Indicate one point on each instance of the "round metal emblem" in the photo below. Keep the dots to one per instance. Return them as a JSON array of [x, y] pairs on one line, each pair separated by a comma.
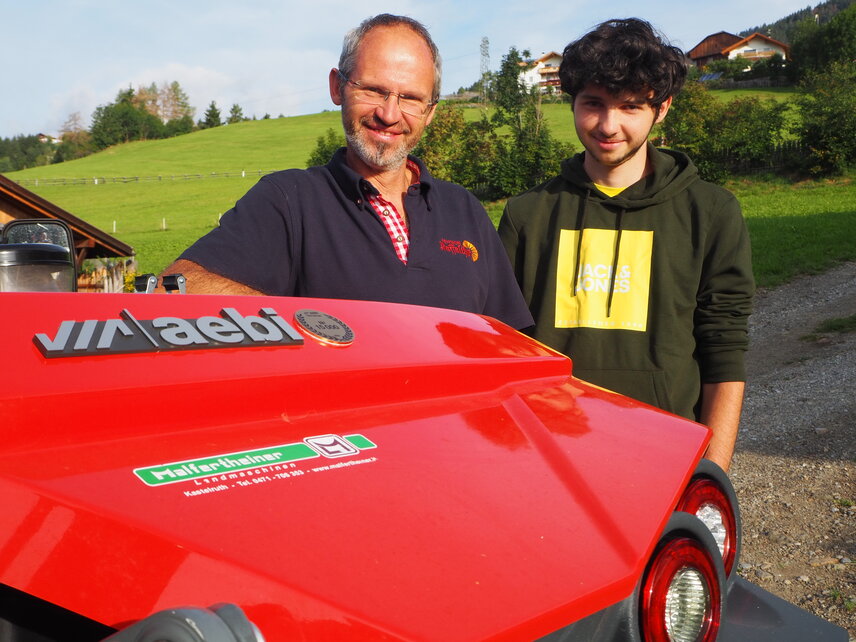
[[324, 327]]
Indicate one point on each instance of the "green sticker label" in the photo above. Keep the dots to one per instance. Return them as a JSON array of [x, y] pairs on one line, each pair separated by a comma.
[[329, 446]]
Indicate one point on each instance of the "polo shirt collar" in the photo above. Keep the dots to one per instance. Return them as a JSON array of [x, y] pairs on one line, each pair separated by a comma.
[[352, 184]]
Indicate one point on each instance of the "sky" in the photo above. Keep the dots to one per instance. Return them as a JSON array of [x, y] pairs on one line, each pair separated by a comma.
[[273, 56]]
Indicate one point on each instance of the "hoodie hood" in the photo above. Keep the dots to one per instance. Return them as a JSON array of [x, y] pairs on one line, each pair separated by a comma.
[[672, 173]]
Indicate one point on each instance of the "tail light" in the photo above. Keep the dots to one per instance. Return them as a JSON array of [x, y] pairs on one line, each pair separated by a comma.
[[682, 595], [710, 497]]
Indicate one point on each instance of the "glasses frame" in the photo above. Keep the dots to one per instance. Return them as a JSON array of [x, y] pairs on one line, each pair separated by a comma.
[[384, 94]]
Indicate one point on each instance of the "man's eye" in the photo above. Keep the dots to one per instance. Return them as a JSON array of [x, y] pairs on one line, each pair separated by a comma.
[[376, 91]]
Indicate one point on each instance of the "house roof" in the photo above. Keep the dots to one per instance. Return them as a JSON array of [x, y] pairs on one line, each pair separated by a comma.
[[749, 39], [17, 202], [713, 45], [542, 58], [547, 56]]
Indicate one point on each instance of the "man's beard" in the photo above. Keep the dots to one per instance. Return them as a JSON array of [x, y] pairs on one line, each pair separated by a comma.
[[380, 156], [622, 159]]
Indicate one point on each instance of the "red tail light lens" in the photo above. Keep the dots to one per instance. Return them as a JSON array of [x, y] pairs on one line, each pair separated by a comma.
[[681, 594], [706, 499]]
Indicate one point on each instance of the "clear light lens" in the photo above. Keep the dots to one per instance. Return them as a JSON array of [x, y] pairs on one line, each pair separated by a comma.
[[706, 499], [687, 603], [712, 518]]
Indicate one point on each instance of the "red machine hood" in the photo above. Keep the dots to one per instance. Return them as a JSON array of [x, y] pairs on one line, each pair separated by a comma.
[[434, 475]]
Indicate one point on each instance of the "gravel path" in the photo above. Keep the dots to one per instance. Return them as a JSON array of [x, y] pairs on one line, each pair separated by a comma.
[[795, 464]]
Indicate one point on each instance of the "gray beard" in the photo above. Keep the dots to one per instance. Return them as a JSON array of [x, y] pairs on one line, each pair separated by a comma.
[[380, 157]]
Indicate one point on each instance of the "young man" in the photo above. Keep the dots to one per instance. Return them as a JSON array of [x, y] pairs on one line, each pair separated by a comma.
[[371, 224], [632, 265]]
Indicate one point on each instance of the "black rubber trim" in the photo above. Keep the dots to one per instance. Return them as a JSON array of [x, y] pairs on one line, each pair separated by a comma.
[[24, 618]]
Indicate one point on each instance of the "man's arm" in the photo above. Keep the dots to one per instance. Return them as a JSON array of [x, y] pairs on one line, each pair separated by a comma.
[[720, 411], [202, 281]]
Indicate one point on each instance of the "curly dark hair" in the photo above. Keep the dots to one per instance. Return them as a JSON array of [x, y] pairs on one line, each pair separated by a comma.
[[624, 55]]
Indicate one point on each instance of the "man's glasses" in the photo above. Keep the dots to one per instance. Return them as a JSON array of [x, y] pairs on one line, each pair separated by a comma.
[[378, 96]]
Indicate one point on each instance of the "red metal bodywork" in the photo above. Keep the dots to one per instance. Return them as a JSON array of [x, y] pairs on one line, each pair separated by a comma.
[[503, 500]]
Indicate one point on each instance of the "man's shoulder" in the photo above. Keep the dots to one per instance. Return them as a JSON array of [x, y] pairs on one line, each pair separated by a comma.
[[450, 198], [712, 198], [449, 190], [296, 176], [535, 199]]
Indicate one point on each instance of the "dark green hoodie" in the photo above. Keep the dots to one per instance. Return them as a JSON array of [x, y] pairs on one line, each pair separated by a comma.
[[653, 298]]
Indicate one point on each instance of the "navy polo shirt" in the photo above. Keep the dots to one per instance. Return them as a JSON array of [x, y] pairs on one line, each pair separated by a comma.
[[312, 233]]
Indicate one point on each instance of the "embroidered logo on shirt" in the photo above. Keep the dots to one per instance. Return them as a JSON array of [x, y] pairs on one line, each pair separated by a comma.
[[586, 305], [464, 248]]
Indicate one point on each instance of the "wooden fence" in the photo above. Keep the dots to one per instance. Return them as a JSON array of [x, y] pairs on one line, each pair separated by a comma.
[[775, 158], [102, 180]]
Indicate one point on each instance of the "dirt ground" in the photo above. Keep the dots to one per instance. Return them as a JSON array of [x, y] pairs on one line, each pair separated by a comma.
[[795, 464]]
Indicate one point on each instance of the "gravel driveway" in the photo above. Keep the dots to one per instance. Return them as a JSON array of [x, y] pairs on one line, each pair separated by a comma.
[[795, 463]]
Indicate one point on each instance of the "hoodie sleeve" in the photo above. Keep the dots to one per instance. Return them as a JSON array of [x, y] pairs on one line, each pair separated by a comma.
[[725, 297]]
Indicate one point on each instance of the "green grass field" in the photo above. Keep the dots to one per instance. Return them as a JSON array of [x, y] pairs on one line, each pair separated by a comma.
[[795, 229]]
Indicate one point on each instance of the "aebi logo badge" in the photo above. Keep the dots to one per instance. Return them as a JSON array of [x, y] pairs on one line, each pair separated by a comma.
[[128, 334]]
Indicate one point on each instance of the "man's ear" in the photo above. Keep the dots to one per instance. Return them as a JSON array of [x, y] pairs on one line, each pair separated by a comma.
[[430, 116], [335, 87], [664, 109]]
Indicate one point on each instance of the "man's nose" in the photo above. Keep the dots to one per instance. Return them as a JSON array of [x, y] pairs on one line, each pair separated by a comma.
[[389, 112], [609, 122]]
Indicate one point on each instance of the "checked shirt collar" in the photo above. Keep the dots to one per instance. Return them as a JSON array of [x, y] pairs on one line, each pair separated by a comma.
[[392, 219]]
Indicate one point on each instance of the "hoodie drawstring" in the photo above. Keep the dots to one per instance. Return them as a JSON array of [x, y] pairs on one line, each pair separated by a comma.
[[581, 223], [614, 263]]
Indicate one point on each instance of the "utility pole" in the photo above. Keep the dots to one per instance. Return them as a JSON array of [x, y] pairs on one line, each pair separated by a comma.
[[485, 67]]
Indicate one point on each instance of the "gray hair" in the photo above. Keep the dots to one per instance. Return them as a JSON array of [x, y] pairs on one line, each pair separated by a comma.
[[348, 58]]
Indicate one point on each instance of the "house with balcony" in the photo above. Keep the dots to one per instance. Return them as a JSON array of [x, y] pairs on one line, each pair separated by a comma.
[[724, 45], [542, 72]]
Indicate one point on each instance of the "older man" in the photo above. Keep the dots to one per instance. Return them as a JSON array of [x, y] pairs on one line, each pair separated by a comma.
[[371, 224]]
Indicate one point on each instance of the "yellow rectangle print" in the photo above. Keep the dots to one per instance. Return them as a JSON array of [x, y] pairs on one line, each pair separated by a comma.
[[587, 304]]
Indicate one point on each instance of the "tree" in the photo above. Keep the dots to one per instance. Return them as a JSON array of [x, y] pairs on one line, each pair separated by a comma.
[[815, 46], [750, 128], [773, 68], [236, 114], [148, 99], [509, 92], [723, 138], [174, 103], [325, 147], [529, 156], [179, 126], [76, 141], [458, 151], [827, 127], [211, 117], [693, 117], [72, 124], [123, 121], [23, 151], [731, 68]]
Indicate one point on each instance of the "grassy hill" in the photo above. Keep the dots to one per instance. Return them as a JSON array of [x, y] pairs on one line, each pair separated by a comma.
[[137, 211]]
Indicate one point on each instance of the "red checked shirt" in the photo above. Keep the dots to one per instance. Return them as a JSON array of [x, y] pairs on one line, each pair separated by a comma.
[[392, 219]]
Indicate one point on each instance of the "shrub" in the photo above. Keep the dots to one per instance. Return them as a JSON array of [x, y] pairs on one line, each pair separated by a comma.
[[750, 127], [827, 128], [325, 147], [723, 138]]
